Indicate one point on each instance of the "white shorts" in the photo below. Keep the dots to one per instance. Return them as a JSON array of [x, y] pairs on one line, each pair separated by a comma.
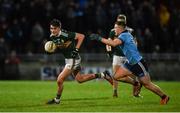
[[118, 60], [72, 64]]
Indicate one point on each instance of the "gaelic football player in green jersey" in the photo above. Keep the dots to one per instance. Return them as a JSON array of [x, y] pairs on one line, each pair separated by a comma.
[[119, 59], [69, 44]]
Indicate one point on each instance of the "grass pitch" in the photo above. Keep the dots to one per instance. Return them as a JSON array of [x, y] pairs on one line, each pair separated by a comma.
[[93, 96]]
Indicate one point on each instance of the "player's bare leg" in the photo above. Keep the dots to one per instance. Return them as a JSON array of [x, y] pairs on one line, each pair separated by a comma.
[[146, 81], [115, 88], [86, 77], [115, 83], [125, 79], [60, 80], [129, 79]]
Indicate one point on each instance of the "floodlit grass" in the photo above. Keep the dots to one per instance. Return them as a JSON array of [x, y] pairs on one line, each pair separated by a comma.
[[87, 97]]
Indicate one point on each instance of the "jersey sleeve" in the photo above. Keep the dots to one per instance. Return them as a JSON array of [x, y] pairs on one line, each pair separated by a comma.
[[112, 34], [122, 37], [72, 35]]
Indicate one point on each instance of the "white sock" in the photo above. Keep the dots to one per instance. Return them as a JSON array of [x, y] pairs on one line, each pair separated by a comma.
[[56, 100], [102, 75]]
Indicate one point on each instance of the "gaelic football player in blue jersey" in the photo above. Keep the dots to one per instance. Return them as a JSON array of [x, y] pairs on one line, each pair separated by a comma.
[[119, 59], [135, 64]]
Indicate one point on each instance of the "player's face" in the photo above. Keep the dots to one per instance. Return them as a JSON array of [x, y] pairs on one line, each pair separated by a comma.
[[117, 29], [54, 30]]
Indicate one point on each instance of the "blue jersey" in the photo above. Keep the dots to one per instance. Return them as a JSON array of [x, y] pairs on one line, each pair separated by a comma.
[[129, 48]]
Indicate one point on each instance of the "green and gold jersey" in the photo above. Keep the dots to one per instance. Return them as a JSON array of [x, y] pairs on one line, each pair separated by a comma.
[[65, 42], [116, 50]]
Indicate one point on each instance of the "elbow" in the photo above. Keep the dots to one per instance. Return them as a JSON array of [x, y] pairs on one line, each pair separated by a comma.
[[82, 36], [113, 45]]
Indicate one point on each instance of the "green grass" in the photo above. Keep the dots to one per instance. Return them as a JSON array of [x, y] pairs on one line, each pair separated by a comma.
[[88, 97]]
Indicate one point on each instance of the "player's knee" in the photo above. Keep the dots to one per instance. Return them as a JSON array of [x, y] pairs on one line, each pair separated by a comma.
[[146, 84], [60, 81], [115, 78], [79, 79]]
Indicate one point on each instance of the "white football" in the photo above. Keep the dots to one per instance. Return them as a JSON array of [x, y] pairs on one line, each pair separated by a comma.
[[50, 46]]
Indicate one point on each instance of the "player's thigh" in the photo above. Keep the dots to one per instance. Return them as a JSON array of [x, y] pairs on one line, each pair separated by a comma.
[[64, 74], [78, 76], [76, 73], [72, 67], [121, 72], [115, 68], [72, 64]]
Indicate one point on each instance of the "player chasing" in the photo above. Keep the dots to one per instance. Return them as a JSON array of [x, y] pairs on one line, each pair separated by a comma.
[[136, 64], [65, 42], [119, 59]]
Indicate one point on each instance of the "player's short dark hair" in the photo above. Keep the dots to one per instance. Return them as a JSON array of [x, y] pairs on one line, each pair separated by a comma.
[[56, 23], [121, 20]]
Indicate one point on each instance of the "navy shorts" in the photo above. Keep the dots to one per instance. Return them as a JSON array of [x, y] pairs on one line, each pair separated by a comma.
[[139, 69]]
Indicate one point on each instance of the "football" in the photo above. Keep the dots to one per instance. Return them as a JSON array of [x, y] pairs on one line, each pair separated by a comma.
[[50, 46]]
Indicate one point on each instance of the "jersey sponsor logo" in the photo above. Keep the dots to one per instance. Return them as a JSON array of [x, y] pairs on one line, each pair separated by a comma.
[[64, 45]]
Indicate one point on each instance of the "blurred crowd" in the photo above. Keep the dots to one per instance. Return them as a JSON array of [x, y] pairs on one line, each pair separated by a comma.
[[24, 24]]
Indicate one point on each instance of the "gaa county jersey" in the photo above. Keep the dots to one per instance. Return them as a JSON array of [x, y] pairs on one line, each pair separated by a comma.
[[65, 42], [116, 50], [129, 47]]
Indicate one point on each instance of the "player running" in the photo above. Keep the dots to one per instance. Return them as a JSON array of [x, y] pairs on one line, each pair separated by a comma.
[[136, 64], [119, 59], [67, 45]]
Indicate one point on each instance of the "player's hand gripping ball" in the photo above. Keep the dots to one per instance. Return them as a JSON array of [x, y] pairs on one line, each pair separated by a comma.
[[50, 46]]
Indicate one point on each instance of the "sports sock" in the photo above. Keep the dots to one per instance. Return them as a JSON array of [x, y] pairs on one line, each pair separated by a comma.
[[115, 90], [164, 96], [136, 83], [58, 96]]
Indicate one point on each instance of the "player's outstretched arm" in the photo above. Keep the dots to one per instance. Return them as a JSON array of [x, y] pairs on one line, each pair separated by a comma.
[[113, 43]]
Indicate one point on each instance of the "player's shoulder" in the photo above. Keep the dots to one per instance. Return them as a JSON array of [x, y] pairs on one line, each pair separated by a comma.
[[52, 36], [125, 34], [130, 29], [65, 33], [64, 30], [68, 34]]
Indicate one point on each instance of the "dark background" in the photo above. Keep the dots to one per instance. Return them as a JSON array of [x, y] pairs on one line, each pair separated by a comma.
[[24, 24]]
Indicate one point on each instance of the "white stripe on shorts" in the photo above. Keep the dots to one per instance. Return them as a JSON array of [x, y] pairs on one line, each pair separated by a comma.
[[143, 68]]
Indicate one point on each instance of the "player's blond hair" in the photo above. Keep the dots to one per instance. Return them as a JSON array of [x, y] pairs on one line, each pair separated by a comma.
[[122, 19]]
